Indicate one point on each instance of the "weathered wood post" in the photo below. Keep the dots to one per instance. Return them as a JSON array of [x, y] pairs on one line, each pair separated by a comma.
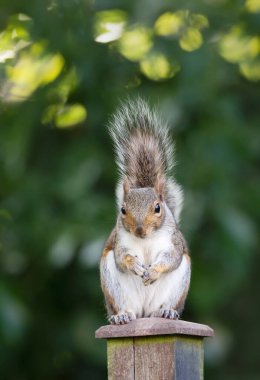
[[155, 349]]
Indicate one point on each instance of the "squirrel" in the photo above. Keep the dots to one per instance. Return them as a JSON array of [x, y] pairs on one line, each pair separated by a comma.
[[145, 265]]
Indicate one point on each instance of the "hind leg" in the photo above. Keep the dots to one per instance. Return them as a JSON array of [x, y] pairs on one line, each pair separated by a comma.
[[174, 288], [121, 291]]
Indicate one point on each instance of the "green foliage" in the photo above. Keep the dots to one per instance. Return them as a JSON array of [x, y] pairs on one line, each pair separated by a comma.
[[64, 65]]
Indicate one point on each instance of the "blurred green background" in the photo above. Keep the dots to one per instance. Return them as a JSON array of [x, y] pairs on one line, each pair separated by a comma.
[[64, 66]]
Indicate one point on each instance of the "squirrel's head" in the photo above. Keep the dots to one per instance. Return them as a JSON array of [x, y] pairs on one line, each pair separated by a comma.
[[142, 211]]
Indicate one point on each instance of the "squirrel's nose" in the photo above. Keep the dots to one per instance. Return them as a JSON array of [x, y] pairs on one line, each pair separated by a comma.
[[139, 230]]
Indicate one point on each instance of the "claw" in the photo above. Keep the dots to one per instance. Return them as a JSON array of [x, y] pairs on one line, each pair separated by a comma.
[[125, 318], [112, 320], [121, 318], [138, 267], [168, 314], [150, 276], [173, 314], [145, 276]]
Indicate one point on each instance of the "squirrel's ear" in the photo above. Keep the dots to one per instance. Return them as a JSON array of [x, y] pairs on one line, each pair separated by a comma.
[[126, 186], [159, 187]]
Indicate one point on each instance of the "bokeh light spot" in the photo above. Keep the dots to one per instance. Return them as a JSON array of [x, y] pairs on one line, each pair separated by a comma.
[[191, 40], [135, 43], [251, 70], [109, 25], [70, 115], [32, 70], [184, 25], [236, 47], [157, 67], [170, 23], [253, 6]]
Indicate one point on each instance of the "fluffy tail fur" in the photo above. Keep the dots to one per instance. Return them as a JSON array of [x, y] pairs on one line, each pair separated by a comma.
[[144, 151]]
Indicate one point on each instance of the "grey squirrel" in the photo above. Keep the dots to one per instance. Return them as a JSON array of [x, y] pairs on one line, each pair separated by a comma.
[[145, 265]]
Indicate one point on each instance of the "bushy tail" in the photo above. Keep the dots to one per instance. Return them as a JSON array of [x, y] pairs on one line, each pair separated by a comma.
[[144, 151], [143, 147]]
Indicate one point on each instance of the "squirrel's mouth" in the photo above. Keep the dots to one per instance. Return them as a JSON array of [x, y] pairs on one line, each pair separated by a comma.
[[140, 236], [139, 232]]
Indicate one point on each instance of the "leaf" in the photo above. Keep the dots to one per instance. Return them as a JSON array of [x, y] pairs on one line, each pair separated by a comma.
[[70, 115]]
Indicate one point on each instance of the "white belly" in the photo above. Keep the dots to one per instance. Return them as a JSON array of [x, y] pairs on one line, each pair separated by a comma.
[[144, 300]]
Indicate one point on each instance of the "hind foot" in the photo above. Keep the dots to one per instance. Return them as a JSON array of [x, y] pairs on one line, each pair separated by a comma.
[[122, 318], [166, 313]]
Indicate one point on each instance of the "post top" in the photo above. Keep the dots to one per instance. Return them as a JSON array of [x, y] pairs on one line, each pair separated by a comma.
[[154, 326]]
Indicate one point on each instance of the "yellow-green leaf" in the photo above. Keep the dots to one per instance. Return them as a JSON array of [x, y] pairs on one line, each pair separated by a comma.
[[70, 115], [251, 70], [237, 47], [135, 43], [109, 25], [191, 40], [170, 23], [253, 6], [33, 69], [156, 66]]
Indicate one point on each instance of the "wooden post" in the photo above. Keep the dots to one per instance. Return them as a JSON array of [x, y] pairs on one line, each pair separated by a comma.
[[155, 349]]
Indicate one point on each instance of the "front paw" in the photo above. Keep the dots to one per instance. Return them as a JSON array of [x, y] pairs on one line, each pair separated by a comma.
[[138, 268], [150, 276], [122, 318]]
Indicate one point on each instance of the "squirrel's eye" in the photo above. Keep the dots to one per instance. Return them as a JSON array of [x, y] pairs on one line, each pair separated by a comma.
[[123, 210], [157, 208]]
